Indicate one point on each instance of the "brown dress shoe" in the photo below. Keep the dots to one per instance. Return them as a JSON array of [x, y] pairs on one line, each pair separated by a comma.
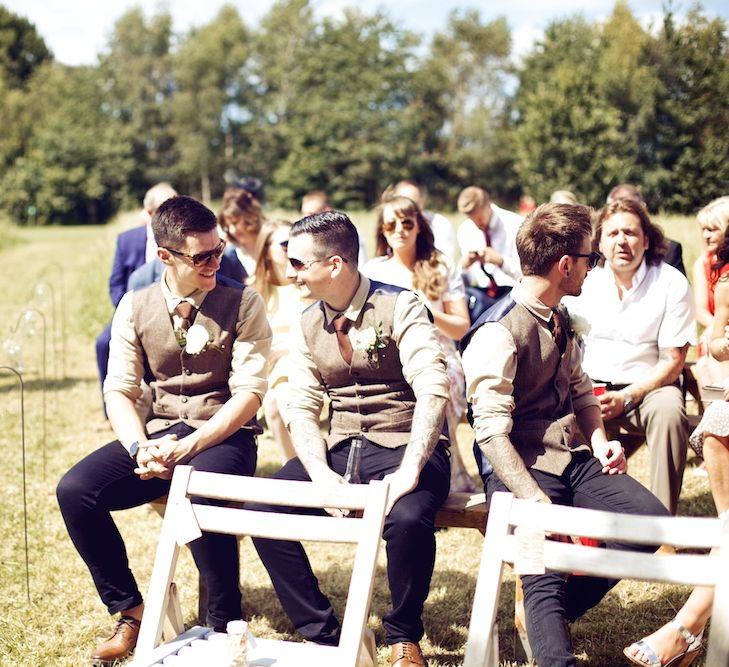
[[119, 645], [406, 654]]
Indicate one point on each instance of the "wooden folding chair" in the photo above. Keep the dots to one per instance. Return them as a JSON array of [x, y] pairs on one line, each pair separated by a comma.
[[501, 545], [183, 522]]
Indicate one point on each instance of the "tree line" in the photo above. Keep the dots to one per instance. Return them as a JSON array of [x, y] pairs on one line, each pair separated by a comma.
[[351, 104]]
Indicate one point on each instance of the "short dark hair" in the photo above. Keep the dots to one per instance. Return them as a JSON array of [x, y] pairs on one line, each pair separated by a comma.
[[656, 240], [178, 217], [333, 233], [548, 233]]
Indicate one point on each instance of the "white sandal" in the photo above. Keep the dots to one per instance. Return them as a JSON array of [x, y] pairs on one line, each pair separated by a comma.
[[693, 648]]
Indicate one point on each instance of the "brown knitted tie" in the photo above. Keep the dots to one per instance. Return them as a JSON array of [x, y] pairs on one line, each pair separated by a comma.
[[555, 324], [341, 327], [184, 310]]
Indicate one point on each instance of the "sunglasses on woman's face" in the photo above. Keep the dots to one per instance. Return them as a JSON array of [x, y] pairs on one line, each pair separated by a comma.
[[201, 258], [390, 225]]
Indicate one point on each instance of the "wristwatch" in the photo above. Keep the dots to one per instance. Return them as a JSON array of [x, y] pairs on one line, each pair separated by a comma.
[[134, 449], [628, 403]]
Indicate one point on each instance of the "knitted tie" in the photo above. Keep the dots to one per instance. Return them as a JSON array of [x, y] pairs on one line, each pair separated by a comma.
[[184, 310], [341, 326], [555, 324]]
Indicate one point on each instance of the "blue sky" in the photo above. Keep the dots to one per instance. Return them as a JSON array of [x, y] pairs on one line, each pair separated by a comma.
[[76, 30]]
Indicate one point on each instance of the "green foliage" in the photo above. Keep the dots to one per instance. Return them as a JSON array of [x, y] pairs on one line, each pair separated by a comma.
[[22, 50]]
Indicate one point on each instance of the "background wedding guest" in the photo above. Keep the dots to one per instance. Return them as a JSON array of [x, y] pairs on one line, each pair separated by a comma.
[[536, 419], [442, 228], [713, 221], [487, 242], [563, 197], [406, 256], [205, 400], [240, 218], [673, 252], [284, 301], [373, 350], [134, 247], [679, 640], [641, 324]]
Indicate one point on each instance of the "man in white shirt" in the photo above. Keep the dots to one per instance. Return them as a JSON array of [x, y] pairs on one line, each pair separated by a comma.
[[487, 242], [639, 313]]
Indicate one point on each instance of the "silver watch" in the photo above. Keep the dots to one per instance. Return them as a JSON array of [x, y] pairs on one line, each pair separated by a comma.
[[134, 449]]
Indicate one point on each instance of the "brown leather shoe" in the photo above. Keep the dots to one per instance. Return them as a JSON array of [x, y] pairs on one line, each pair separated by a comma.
[[119, 645], [406, 654]]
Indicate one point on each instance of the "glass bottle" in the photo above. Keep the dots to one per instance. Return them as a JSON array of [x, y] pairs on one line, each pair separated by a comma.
[[351, 474]]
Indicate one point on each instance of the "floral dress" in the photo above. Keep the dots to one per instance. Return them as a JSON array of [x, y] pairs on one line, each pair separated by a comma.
[[715, 421]]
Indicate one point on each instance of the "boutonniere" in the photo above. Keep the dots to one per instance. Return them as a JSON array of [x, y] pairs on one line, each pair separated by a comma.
[[194, 340], [579, 327], [370, 341]]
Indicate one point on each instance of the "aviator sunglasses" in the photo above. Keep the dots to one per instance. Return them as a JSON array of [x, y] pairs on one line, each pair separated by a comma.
[[201, 258], [298, 265], [592, 258], [405, 223]]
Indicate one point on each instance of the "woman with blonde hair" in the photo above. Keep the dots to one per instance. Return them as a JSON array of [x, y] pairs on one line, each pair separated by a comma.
[[713, 221], [240, 218], [283, 301], [406, 256]]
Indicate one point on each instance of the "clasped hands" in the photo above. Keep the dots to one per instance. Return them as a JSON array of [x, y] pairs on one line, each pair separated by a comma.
[[158, 457]]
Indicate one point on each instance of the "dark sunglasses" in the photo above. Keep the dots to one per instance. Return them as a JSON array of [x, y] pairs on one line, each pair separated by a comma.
[[201, 258], [297, 265], [284, 245], [390, 225], [592, 258]]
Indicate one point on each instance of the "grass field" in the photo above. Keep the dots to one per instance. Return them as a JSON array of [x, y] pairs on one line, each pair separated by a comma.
[[63, 620]]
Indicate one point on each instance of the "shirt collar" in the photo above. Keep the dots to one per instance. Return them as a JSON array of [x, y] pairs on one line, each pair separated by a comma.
[[172, 299], [524, 297], [638, 276], [353, 310]]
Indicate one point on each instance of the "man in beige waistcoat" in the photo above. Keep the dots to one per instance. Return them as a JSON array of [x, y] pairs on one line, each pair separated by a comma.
[[201, 342], [530, 400], [374, 351]]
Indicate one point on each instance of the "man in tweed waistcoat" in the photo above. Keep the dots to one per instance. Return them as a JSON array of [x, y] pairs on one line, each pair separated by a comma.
[[531, 402], [373, 350], [201, 342]]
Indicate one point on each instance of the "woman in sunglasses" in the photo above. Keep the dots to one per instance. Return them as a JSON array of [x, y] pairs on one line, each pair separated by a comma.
[[405, 255], [283, 299]]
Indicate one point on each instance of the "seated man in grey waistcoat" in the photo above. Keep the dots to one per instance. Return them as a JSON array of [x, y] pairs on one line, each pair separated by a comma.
[[373, 350], [201, 342], [530, 400]]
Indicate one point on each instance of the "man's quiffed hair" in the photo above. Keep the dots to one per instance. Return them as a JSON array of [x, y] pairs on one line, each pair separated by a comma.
[[332, 232], [178, 217], [549, 232], [656, 240]]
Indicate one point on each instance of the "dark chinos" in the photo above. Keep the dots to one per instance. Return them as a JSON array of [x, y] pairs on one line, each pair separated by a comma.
[[554, 597], [105, 481], [410, 543]]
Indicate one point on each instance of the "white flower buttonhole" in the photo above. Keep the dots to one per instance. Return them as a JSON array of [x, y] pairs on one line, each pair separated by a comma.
[[197, 339]]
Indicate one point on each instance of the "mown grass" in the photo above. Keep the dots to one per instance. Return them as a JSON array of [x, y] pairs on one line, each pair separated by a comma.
[[64, 619]]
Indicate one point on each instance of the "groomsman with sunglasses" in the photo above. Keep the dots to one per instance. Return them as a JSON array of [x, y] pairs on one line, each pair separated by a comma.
[[374, 351], [201, 342], [537, 424]]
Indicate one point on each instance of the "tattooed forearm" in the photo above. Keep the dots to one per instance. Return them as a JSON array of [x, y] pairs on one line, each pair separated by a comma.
[[308, 442], [428, 419], [509, 466]]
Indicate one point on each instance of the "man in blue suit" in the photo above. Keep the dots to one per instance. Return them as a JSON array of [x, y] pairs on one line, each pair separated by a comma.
[[133, 248]]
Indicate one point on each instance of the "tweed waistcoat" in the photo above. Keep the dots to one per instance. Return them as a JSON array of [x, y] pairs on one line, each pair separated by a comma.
[[186, 387], [544, 428], [370, 397]]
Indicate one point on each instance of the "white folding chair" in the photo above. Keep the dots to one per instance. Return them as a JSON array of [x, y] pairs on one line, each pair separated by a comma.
[[183, 522], [501, 545]]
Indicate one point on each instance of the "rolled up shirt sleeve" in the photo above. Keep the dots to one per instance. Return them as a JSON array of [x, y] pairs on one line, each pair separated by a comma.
[[305, 392], [421, 354], [489, 363], [251, 347], [126, 366]]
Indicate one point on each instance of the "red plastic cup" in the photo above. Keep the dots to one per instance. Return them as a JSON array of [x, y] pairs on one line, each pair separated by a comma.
[[599, 388]]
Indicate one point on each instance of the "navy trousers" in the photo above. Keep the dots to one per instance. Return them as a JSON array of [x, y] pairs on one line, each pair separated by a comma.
[[105, 481], [409, 534], [553, 599]]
